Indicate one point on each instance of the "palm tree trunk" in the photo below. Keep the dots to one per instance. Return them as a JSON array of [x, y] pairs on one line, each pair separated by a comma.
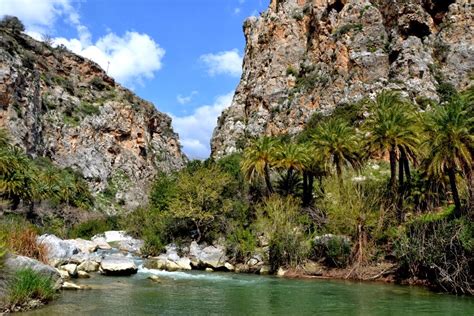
[[268, 182], [406, 167], [305, 188], [401, 188], [457, 201], [393, 169], [401, 165], [310, 188]]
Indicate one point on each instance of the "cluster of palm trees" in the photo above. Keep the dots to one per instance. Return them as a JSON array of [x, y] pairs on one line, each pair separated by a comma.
[[27, 180], [439, 142]]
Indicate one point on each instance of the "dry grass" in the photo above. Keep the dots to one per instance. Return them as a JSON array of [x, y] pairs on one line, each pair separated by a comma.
[[23, 243]]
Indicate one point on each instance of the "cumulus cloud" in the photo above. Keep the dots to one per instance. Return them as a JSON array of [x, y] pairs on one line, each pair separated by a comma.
[[195, 130], [130, 58], [223, 63], [185, 99]]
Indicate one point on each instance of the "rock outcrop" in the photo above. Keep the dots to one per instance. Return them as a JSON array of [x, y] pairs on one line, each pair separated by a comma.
[[304, 56], [59, 105]]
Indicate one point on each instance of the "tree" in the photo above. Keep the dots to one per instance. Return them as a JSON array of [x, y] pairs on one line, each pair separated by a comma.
[[291, 157], [450, 143], [392, 129], [201, 198], [336, 144], [12, 23], [258, 159]]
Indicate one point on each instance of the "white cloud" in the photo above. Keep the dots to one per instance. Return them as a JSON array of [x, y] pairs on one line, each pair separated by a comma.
[[195, 130], [227, 62], [40, 15], [132, 57], [236, 11], [185, 99]]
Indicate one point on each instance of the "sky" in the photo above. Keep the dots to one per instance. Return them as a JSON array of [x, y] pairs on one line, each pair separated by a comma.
[[185, 56]]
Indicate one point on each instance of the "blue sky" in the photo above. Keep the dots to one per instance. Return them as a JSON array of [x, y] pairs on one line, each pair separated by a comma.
[[182, 55]]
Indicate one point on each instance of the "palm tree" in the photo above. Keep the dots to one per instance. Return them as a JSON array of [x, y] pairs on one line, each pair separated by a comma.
[[450, 143], [336, 144], [391, 129], [291, 157], [258, 159]]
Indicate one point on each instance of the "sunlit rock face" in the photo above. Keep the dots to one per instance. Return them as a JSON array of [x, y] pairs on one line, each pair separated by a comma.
[[59, 105], [306, 56]]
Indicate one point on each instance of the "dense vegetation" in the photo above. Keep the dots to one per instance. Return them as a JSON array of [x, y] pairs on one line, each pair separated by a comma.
[[394, 179], [388, 180]]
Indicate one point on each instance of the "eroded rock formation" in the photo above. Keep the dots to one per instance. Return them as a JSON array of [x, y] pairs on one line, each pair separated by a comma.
[[308, 55], [59, 105]]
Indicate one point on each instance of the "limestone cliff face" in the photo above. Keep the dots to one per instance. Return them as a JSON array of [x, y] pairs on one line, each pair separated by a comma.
[[62, 106], [304, 56]]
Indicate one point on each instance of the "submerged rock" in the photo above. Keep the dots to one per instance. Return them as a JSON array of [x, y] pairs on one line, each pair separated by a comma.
[[115, 265], [74, 286]]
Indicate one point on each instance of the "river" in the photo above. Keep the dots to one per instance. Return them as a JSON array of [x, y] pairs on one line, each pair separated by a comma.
[[201, 293]]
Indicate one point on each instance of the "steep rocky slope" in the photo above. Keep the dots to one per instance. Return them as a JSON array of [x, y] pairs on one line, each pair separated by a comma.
[[308, 55], [62, 106]]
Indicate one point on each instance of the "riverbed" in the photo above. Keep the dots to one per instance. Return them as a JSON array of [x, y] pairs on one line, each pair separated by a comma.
[[214, 293]]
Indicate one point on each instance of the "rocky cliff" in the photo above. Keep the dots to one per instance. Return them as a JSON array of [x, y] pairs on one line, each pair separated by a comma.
[[304, 56], [62, 106]]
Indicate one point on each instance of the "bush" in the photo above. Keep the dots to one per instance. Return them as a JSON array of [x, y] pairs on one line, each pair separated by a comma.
[[27, 285], [334, 250], [93, 227], [279, 220], [440, 251], [241, 243]]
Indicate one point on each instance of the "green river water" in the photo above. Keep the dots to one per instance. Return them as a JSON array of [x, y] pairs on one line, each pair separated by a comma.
[[199, 293]]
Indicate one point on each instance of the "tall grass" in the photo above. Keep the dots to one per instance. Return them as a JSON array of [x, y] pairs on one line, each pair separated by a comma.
[[26, 285]]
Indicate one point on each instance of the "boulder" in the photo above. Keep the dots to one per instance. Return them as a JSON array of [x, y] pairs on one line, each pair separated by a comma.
[[71, 269], [83, 275], [115, 235], [58, 250], [101, 243], [264, 270], [184, 263], [229, 266], [154, 278], [88, 266], [281, 272], [115, 265], [209, 270], [15, 263], [131, 245], [210, 256], [86, 246], [64, 274]]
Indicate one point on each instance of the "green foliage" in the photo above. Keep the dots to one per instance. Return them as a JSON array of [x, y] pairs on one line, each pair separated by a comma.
[[88, 108], [347, 28], [24, 179], [279, 220], [90, 228], [27, 285], [336, 251], [291, 71], [241, 243]]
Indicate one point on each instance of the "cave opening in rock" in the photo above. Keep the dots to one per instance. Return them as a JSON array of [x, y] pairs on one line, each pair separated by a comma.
[[417, 29], [393, 56], [437, 9], [337, 5]]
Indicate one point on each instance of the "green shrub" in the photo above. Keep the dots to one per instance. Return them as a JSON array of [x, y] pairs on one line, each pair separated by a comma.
[[88, 108], [279, 220], [347, 28], [93, 227], [335, 251], [241, 243], [27, 285]]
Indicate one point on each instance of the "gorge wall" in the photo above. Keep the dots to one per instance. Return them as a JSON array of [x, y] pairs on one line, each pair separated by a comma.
[[59, 105], [304, 56]]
